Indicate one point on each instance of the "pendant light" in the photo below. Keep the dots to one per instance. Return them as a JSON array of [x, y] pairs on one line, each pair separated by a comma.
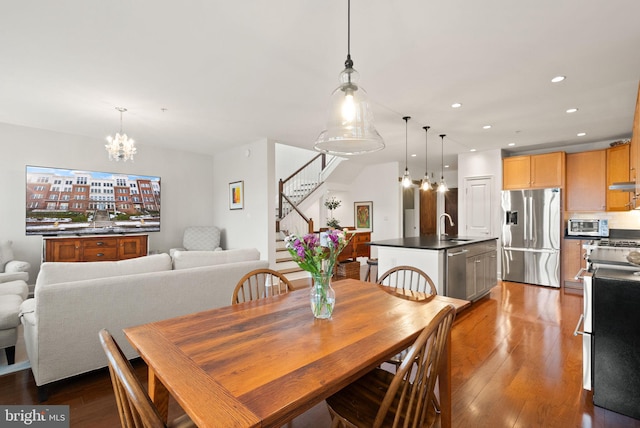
[[426, 183], [350, 129], [406, 177], [442, 187], [120, 147]]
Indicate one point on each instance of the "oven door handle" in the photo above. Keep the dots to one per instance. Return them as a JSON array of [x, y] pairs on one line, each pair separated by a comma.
[[580, 321], [579, 276]]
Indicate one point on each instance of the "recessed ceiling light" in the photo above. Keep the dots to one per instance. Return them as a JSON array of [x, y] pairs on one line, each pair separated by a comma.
[[486, 127], [446, 166], [472, 150], [581, 134], [456, 105], [572, 110], [413, 155], [512, 144], [558, 79]]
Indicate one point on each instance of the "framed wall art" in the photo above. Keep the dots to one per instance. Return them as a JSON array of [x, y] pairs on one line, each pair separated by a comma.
[[363, 215], [236, 195]]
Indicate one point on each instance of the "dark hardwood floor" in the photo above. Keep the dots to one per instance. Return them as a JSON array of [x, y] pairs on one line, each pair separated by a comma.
[[515, 363]]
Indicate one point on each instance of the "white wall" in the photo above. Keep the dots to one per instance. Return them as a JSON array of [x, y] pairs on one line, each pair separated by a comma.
[[184, 180], [379, 184], [254, 225]]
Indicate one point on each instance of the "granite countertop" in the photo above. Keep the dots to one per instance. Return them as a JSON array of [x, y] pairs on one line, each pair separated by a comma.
[[430, 242]]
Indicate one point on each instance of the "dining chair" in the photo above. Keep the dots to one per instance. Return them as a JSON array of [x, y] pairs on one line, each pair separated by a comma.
[[258, 284], [134, 405], [406, 398], [408, 278]]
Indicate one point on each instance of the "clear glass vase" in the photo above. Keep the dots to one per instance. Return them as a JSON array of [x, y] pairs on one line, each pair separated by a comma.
[[323, 297]]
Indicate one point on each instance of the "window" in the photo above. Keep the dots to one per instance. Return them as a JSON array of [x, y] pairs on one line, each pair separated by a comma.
[[81, 180]]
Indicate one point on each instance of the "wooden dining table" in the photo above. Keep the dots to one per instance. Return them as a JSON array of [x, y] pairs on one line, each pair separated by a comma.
[[262, 363]]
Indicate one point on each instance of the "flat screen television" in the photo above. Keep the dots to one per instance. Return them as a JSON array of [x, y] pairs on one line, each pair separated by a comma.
[[77, 202]]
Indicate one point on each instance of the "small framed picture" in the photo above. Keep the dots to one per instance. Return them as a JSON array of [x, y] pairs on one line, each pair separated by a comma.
[[236, 195], [363, 215]]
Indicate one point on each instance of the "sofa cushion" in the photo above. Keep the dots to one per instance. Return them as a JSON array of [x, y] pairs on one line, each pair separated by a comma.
[[191, 259], [6, 254], [57, 272], [9, 310]]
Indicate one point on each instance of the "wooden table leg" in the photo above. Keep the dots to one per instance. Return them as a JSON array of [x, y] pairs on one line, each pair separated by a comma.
[[159, 395], [444, 383]]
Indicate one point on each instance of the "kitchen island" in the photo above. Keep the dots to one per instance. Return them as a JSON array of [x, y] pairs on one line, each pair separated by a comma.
[[461, 267]]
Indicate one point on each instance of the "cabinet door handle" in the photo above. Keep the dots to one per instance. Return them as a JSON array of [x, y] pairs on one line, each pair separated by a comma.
[[99, 243], [100, 254], [576, 331]]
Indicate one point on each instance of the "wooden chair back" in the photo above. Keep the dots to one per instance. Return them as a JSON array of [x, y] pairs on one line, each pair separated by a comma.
[[259, 284], [134, 405], [408, 278], [413, 386], [405, 399]]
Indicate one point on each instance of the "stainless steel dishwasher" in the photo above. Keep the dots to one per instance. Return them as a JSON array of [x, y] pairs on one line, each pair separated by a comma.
[[457, 273]]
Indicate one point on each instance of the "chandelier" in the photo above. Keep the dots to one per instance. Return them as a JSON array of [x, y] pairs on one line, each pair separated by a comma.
[[120, 147], [350, 129]]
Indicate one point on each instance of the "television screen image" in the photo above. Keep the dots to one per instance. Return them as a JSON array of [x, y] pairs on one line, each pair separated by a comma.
[[76, 202]]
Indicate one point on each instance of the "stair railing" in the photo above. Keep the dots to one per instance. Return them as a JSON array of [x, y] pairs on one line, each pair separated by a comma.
[[296, 188]]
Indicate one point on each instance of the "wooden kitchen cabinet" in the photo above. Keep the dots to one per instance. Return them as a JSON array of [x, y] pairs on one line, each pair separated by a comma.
[[618, 172], [95, 248], [573, 259], [634, 150], [586, 181], [533, 171]]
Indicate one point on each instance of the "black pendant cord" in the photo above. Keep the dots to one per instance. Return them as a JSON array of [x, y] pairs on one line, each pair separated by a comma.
[[348, 63], [442, 159], [406, 142], [426, 150]]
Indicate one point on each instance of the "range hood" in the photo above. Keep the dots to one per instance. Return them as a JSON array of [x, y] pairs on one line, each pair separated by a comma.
[[626, 186]]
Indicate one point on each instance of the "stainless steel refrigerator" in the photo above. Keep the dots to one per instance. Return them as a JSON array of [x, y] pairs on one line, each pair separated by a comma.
[[531, 233]]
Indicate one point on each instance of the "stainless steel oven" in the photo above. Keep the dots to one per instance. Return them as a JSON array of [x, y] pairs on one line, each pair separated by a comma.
[[609, 254]]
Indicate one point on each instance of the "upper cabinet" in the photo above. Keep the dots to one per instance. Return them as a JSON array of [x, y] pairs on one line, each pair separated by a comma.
[[586, 181], [618, 172], [533, 171]]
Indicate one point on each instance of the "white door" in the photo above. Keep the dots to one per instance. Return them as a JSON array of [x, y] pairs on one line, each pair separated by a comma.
[[479, 202]]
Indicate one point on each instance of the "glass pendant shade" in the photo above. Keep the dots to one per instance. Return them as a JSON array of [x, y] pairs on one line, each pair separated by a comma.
[[442, 187], [406, 178], [426, 182], [350, 129]]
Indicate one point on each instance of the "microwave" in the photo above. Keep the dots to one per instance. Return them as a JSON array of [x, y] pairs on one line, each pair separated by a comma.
[[582, 227]]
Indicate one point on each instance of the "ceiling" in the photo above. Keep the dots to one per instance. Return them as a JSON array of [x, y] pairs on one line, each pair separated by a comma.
[[208, 75]]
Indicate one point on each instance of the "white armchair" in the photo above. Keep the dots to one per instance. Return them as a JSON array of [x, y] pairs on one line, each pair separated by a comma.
[[10, 269], [199, 238]]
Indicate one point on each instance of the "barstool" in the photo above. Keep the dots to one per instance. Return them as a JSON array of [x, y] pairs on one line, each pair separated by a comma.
[[371, 262]]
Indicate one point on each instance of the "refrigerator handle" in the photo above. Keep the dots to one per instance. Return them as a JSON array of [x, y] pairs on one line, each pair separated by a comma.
[[526, 218], [531, 221]]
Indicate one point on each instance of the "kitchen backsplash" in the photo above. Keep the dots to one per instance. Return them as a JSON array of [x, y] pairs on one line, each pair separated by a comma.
[[617, 220]]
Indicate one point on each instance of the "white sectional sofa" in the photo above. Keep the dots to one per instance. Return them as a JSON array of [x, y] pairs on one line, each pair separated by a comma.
[[73, 301]]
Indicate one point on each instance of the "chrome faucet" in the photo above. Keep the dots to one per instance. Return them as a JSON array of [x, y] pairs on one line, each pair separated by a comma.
[[441, 231]]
